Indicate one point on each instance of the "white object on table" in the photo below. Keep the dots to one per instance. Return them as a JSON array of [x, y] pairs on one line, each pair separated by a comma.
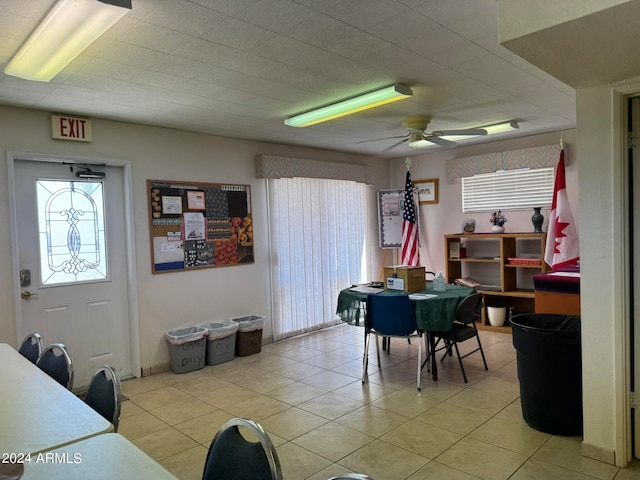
[[421, 296], [38, 414], [105, 456]]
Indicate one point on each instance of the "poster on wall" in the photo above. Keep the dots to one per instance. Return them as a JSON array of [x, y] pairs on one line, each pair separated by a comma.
[[196, 225], [390, 210]]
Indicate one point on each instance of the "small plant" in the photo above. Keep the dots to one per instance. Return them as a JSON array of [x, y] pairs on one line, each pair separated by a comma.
[[498, 218]]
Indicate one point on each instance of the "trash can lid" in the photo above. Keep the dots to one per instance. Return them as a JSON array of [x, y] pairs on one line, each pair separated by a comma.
[[549, 322], [220, 329], [186, 334]]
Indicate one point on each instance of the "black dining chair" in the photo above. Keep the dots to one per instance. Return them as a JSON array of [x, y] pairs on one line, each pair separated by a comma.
[[31, 347], [463, 328], [232, 457], [104, 394], [390, 315], [56, 362]]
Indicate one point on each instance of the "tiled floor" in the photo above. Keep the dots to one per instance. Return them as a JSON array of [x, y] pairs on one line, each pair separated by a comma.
[[306, 392]]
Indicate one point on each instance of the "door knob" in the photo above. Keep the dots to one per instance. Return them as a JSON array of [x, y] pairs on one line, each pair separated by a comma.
[[27, 294]]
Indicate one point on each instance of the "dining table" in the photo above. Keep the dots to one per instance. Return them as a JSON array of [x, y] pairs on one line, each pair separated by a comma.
[[37, 414], [435, 311]]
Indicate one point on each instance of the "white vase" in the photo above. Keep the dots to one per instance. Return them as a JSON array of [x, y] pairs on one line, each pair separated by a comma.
[[497, 229], [497, 316]]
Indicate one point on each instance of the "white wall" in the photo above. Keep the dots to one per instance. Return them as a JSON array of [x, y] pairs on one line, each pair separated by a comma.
[[446, 216], [171, 299]]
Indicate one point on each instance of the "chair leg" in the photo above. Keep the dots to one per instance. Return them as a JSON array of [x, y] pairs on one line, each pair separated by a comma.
[[484, 360], [365, 359], [419, 380], [378, 349], [464, 375]]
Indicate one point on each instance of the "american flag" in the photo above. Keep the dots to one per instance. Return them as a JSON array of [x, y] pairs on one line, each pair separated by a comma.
[[410, 250]]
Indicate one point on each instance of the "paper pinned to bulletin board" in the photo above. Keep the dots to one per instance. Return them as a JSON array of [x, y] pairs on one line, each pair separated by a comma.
[[196, 225]]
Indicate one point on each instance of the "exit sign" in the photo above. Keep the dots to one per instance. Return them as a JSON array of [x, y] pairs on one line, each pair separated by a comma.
[[71, 128]]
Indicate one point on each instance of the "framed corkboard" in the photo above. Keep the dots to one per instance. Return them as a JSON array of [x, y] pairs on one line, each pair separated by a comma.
[[199, 225]]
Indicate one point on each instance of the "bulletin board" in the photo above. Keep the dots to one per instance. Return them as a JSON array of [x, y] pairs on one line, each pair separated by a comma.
[[199, 225], [390, 210]]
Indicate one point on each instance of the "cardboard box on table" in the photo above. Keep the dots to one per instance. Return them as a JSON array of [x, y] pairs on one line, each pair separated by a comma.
[[412, 278]]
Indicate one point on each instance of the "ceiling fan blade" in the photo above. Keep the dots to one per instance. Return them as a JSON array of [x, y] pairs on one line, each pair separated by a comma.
[[384, 138], [396, 144], [464, 131], [439, 141]]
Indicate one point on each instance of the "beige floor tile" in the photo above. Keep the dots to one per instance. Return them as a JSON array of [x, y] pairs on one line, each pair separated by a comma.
[[482, 460], [203, 429], [439, 390], [326, 360], [455, 419], [270, 363], [298, 371], [383, 460], [299, 463], [257, 408], [566, 452], [164, 443], [333, 441], [262, 382], [202, 384], [171, 378], [333, 470], [631, 472], [421, 438], [498, 386], [437, 471], [292, 423], [366, 393], [328, 380], [481, 402], [353, 368], [295, 393], [372, 421], [128, 409], [512, 412], [407, 402], [182, 410], [136, 386], [508, 372], [226, 396], [393, 378], [140, 425], [539, 470], [512, 436], [187, 465], [296, 353], [158, 398], [330, 405]]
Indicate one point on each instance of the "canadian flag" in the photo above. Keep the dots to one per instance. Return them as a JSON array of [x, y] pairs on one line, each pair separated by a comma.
[[563, 247]]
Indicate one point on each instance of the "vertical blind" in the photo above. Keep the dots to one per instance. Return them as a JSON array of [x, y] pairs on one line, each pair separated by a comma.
[[319, 245], [508, 190]]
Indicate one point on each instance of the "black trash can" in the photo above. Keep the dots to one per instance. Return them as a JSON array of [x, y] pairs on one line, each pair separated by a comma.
[[550, 371]]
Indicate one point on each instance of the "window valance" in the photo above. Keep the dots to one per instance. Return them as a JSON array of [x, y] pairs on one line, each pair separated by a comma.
[[271, 166], [534, 157]]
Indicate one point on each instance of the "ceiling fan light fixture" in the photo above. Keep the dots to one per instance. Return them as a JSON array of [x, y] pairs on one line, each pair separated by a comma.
[[67, 30], [490, 129], [348, 106], [501, 127]]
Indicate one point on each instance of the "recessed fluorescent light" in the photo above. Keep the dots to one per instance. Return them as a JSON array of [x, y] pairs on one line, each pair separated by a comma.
[[339, 109], [69, 28]]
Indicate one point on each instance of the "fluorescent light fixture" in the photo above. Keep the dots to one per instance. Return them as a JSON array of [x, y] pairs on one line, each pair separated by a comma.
[[491, 129], [69, 28], [339, 109]]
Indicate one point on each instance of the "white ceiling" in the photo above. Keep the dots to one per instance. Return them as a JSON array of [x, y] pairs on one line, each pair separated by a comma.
[[238, 68]]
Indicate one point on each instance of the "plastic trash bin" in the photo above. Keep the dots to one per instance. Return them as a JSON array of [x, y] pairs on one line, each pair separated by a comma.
[[549, 361], [249, 336], [221, 341], [187, 348]]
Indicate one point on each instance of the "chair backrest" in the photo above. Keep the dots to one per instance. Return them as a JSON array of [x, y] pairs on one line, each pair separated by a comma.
[[31, 347], [56, 362], [390, 314], [232, 457], [104, 394], [468, 308]]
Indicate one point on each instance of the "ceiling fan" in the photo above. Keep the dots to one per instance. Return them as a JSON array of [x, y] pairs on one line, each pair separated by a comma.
[[418, 125]]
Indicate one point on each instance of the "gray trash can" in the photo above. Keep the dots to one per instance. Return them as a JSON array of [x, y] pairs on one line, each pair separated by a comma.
[[221, 341], [187, 348], [249, 336]]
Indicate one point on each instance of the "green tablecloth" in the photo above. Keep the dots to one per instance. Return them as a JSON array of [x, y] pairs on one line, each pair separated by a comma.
[[433, 315]]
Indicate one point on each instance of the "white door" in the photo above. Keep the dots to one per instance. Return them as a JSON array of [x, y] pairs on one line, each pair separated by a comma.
[[634, 165], [71, 248]]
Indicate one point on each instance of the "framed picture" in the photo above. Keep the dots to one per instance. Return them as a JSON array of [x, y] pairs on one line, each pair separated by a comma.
[[171, 204], [427, 190]]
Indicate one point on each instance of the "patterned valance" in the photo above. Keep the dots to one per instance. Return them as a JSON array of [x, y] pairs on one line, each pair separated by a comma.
[[270, 166], [535, 157]]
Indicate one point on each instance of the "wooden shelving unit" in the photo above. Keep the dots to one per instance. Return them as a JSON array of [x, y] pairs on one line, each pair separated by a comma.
[[496, 252]]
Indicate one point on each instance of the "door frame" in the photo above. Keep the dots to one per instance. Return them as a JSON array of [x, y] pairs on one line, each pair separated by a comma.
[[128, 221]]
